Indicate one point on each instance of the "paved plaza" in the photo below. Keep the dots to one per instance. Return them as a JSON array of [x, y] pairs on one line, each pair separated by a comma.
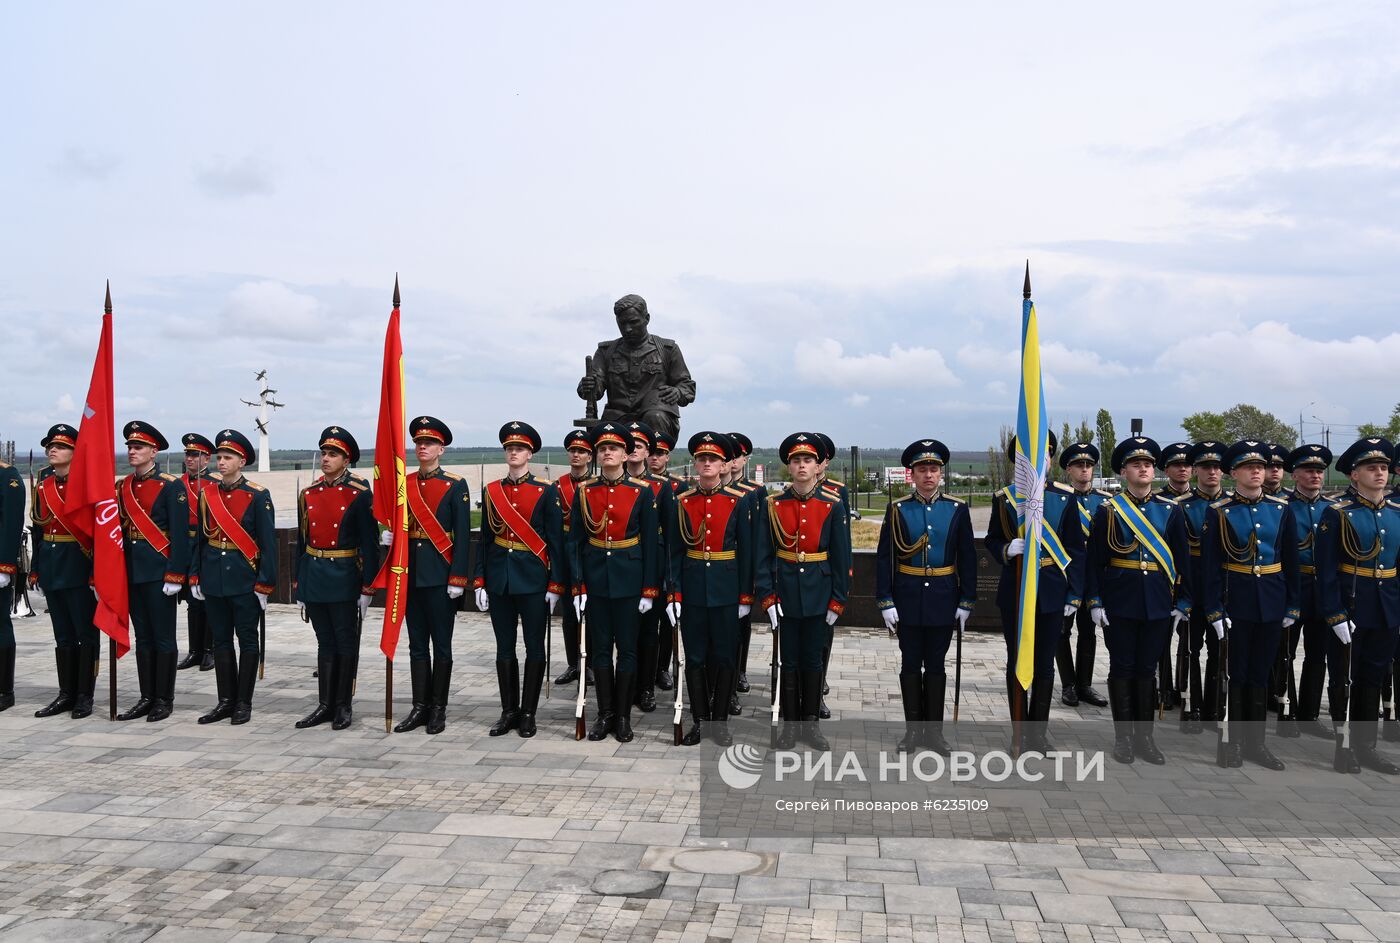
[[174, 831]]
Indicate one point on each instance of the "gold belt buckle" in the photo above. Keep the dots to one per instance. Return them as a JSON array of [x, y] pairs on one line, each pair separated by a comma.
[[707, 555], [801, 556], [1256, 569], [1142, 564]]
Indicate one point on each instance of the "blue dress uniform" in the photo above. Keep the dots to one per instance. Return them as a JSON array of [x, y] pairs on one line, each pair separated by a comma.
[[560, 524], [154, 512], [1357, 552], [337, 560], [649, 625], [926, 571], [803, 567], [62, 568], [439, 551], [201, 648], [1202, 700], [233, 562], [757, 512], [1137, 575], [1059, 589], [1077, 665], [1167, 686], [665, 444], [614, 562], [1318, 653], [11, 532], [517, 563], [1249, 576], [712, 563]]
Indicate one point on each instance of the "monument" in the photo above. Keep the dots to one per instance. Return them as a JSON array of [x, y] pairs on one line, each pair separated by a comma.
[[644, 376]]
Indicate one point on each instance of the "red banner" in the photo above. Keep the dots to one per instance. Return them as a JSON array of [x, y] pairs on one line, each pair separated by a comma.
[[391, 485], [91, 504]]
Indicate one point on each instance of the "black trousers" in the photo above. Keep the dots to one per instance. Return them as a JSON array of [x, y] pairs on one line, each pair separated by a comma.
[[7, 626], [802, 641], [612, 623], [1254, 651], [709, 634], [1372, 652], [153, 617], [527, 610], [234, 615], [1199, 635], [924, 647], [1085, 645], [71, 611], [568, 626], [334, 625], [430, 615], [1135, 646]]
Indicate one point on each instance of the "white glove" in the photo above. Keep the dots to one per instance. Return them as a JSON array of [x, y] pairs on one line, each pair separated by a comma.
[[744, 610], [365, 600], [1343, 630], [644, 605], [386, 539], [773, 616], [301, 610], [170, 589], [262, 600], [4, 580], [580, 603], [673, 610], [962, 615], [1220, 625], [891, 617], [455, 592], [1098, 616], [1289, 622], [1178, 617], [483, 602], [1070, 610], [197, 592], [1016, 547], [831, 617], [551, 600]]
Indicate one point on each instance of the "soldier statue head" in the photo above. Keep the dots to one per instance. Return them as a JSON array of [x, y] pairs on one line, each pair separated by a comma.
[[644, 376], [632, 319]]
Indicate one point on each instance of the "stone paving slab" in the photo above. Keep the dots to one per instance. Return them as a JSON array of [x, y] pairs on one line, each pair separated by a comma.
[[137, 832]]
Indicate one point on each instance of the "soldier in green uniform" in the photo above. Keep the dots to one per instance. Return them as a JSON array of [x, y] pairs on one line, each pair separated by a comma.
[[756, 511], [197, 477], [649, 628], [560, 522], [664, 443], [11, 532]]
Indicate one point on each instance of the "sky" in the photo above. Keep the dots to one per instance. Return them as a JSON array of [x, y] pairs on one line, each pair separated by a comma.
[[828, 205]]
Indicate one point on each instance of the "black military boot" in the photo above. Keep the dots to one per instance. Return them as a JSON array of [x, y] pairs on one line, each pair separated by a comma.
[[530, 697], [664, 681], [1344, 757], [206, 636], [1036, 736], [1144, 706], [1064, 661], [86, 683], [343, 692], [1084, 672], [508, 683], [142, 707], [569, 675], [644, 689], [719, 729], [911, 693], [1120, 705], [163, 678], [623, 693], [1211, 708], [1191, 704], [823, 711], [604, 723], [66, 659], [1365, 702], [789, 710], [226, 683], [442, 683], [1168, 696], [933, 690], [325, 694], [745, 634], [420, 672], [196, 652], [1256, 729], [7, 678], [247, 681], [810, 732], [1228, 753], [697, 688], [1309, 707]]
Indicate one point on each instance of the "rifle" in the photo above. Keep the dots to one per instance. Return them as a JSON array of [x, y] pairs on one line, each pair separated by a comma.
[[1223, 675], [1342, 757], [355, 664], [548, 649], [262, 644], [581, 704], [957, 674], [1287, 721], [676, 722], [773, 681], [1183, 673]]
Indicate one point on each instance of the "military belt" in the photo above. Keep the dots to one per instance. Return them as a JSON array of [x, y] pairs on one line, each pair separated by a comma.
[[223, 544], [615, 544], [135, 534], [509, 544], [1256, 570], [60, 538], [417, 533], [338, 554], [1144, 566], [927, 570], [1376, 572], [1046, 561], [802, 556], [710, 554], [1195, 553], [1307, 569]]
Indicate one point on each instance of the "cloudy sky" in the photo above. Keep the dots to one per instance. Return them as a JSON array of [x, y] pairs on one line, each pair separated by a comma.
[[829, 205]]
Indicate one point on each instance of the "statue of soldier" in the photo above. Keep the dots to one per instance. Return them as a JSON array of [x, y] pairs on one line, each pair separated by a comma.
[[644, 376]]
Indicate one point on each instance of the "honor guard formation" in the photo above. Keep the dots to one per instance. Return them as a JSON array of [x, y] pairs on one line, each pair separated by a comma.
[[654, 580]]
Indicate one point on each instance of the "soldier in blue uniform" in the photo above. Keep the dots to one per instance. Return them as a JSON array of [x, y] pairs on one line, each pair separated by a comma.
[[925, 585], [337, 560], [154, 511], [233, 569], [1176, 462], [519, 575], [1249, 587], [1357, 551], [615, 567], [643, 441], [1201, 707], [62, 568], [802, 578], [1079, 461], [11, 533], [1308, 465], [1061, 561], [560, 522], [197, 477], [1274, 469], [712, 580], [757, 512], [664, 443], [439, 532], [1135, 581]]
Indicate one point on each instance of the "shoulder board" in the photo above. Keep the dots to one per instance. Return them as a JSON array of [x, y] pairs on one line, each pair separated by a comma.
[[451, 476], [639, 481], [1164, 499], [1276, 499], [951, 497], [734, 492], [589, 480], [166, 476], [899, 500], [359, 484], [253, 485], [4, 464], [1222, 502], [1101, 492], [1392, 502], [687, 493], [1061, 486], [1342, 503]]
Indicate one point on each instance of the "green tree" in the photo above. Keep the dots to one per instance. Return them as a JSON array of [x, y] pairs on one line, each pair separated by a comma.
[[1065, 442], [1085, 432], [1241, 421], [1105, 438], [1000, 469], [1391, 430], [1204, 426]]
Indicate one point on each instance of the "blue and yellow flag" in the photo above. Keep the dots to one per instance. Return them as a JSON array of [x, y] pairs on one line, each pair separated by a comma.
[[1032, 461]]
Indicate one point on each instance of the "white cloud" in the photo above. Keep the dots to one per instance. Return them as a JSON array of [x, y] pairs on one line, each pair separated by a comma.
[[65, 403], [266, 310], [235, 179], [857, 399], [779, 406], [825, 361], [1071, 364]]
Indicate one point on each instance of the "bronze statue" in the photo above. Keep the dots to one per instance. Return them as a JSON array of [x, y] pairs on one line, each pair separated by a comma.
[[644, 376]]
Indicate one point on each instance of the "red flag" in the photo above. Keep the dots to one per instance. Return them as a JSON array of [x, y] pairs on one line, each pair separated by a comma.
[[391, 484], [92, 494]]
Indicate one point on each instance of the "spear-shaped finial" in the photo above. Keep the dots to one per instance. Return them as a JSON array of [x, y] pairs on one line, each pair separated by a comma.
[[1026, 291], [107, 306], [396, 289]]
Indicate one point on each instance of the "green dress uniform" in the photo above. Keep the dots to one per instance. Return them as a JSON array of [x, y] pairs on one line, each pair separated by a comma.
[[649, 630], [201, 648]]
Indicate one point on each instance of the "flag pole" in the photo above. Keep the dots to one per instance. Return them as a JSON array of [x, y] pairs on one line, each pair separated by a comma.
[[111, 642]]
